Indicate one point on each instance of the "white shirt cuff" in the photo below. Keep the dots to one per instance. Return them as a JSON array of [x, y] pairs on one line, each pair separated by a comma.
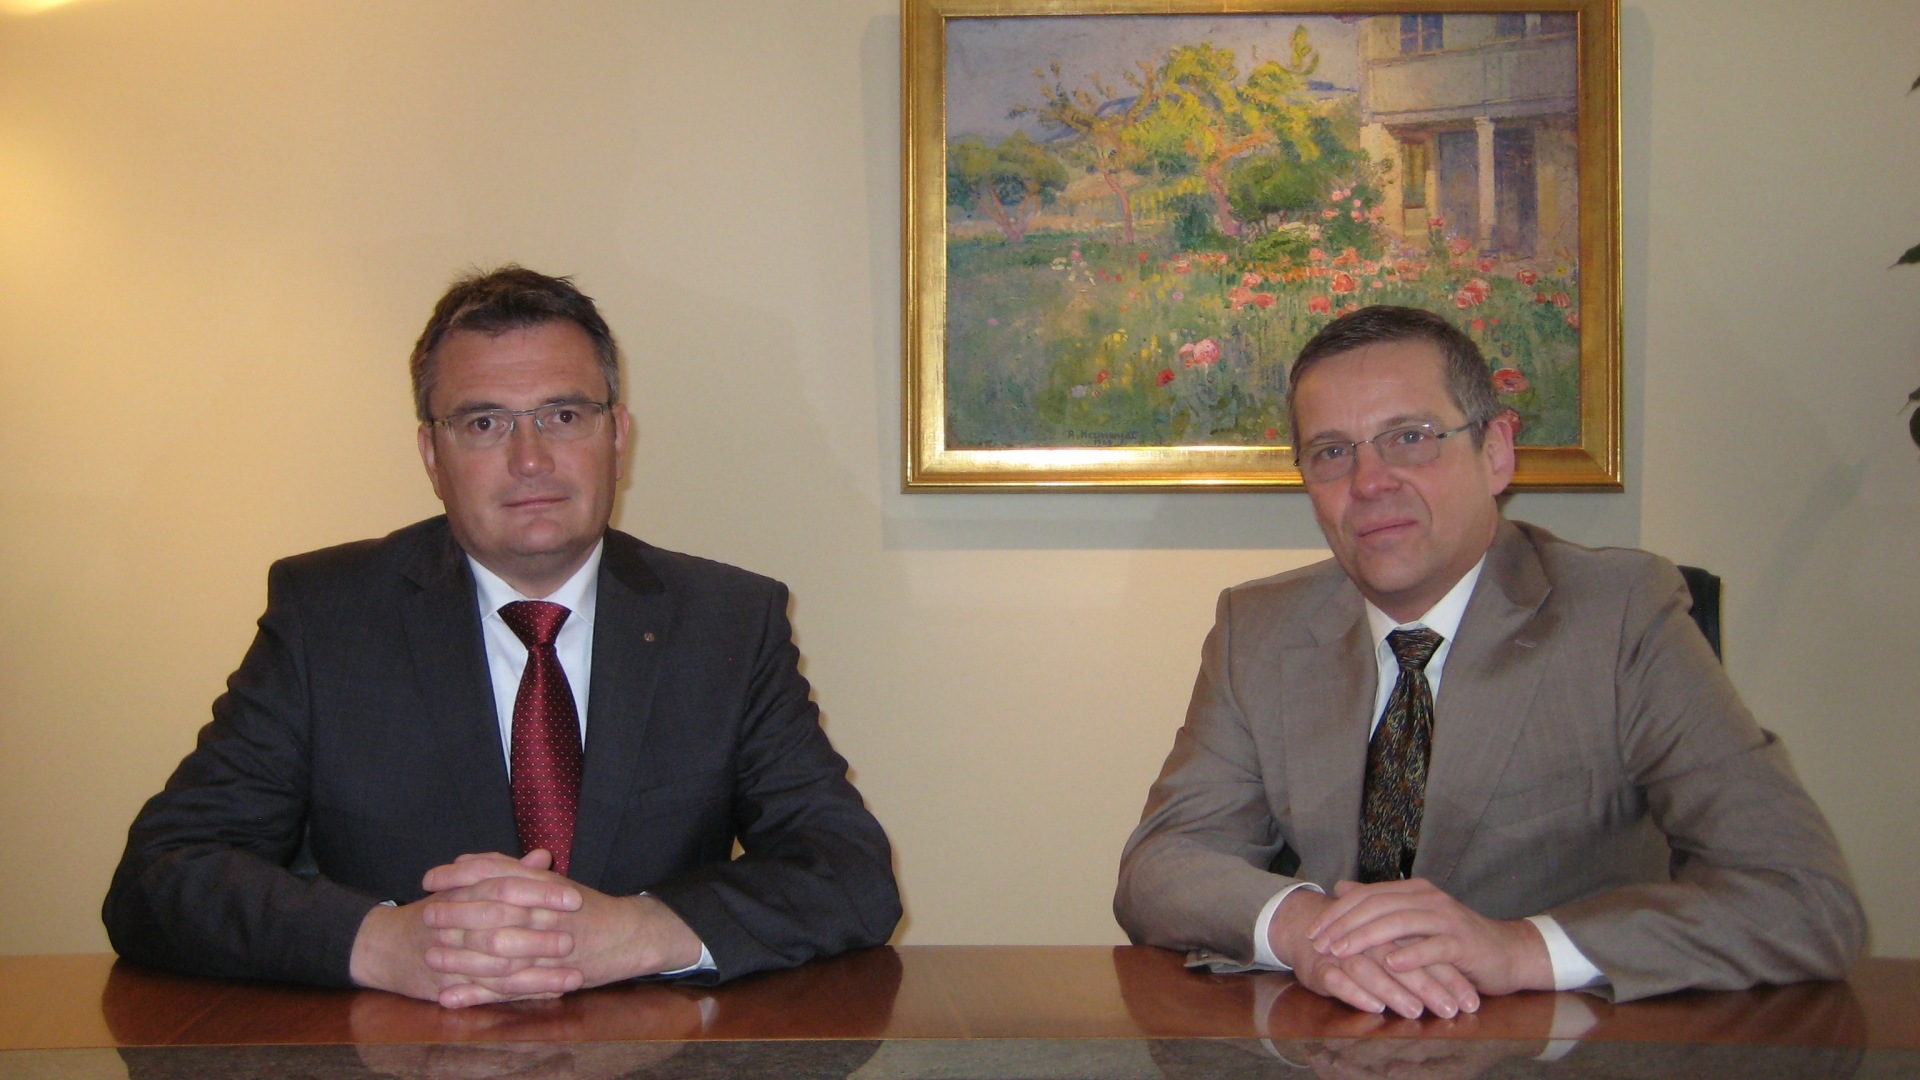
[[1263, 927], [705, 964], [1571, 968]]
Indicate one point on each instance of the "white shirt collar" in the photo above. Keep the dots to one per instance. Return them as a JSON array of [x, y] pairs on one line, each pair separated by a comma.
[[577, 595], [1442, 618]]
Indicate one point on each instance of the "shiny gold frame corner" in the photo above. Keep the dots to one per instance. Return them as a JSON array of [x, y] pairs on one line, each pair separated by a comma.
[[1593, 465]]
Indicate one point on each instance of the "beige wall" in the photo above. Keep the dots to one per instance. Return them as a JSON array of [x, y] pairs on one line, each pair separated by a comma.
[[221, 224]]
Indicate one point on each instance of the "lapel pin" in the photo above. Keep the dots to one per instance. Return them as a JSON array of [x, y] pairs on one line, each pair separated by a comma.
[[648, 636]]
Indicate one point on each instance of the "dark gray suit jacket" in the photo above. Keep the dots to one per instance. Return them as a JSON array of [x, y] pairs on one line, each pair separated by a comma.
[[361, 729], [1591, 761]]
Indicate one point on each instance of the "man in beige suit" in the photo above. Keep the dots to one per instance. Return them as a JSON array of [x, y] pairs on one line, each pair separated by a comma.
[[1523, 747]]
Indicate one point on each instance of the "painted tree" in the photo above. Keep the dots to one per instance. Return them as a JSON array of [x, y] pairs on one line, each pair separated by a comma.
[[1008, 182], [1205, 117], [1099, 128]]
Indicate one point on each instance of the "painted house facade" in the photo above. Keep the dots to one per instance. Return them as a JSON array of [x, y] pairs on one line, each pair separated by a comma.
[[1477, 114]]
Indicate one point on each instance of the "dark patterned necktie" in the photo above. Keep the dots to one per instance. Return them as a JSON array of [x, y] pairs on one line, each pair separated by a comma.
[[546, 736], [1396, 788]]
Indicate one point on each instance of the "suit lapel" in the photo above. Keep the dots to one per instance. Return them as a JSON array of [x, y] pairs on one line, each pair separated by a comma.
[[1326, 694], [1486, 695], [632, 614], [450, 660]]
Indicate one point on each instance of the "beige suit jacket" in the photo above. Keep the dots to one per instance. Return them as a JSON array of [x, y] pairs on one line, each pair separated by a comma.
[[1590, 761]]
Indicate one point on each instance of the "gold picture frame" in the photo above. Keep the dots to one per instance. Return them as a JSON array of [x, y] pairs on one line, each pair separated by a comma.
[[1110, 206]]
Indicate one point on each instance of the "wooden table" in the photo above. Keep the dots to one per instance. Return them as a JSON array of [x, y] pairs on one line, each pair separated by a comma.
[[916, 993]]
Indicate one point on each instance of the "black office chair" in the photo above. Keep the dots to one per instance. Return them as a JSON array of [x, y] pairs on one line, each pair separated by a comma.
[[1705, 588]]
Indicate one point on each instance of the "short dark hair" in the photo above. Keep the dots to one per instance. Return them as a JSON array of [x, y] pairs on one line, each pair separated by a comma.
[[509, 298], [1469, 380]]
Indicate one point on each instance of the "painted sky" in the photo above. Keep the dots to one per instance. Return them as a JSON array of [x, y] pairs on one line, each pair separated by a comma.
[[990, 62]]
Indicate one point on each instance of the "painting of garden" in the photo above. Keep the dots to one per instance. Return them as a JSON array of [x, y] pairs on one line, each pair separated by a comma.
[[1149, 215]]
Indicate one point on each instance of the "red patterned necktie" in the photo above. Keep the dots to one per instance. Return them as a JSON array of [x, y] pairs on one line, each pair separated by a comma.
[[546, 736]]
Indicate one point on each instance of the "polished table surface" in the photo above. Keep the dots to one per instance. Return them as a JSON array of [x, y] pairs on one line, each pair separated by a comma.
[[1143, 1012]]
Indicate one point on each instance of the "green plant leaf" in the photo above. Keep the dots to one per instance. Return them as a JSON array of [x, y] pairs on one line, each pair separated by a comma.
[[1912, 256]]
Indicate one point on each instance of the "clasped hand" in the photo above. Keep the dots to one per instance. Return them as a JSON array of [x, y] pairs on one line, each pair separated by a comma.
[[1406, 946], [498, 928]]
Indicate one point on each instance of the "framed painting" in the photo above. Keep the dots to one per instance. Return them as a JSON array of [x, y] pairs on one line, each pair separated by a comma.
[[1123, 219]]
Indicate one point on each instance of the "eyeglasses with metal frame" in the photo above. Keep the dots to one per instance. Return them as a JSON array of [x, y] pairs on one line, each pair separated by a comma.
[[562, 421], [1414, 444]]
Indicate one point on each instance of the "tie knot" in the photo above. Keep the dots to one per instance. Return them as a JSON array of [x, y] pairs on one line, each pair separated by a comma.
[[1414, 647], [535, 622]]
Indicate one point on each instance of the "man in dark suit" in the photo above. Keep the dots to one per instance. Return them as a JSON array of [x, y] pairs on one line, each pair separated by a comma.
[[1463, 756], [507, 752]]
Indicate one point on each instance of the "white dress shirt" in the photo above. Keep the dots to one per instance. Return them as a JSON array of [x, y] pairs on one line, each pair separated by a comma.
[[1571, 969], [507, 656]]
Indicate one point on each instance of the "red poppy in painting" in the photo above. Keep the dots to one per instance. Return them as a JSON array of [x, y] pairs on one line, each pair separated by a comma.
[[1561, 300], [1485, 264], [1165, 376], [1342, 282], [1526, 277], [1321, 304], [1509, 381], [1436, 222], [1479, 326], [1263, 300]]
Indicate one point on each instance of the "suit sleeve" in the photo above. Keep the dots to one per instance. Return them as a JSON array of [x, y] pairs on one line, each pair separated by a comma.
[[203, 886], [1194, 874], [1759, 891], [816, 874]]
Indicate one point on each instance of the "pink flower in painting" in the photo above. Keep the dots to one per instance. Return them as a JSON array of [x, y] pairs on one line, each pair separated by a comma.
[[1250, 279], [1316, 255], [1239, 296], [1509, 381], [1526, 277], [1348, 309], [1320, 304], [1358, 216], [1374, 285], [1263, 300], [1205, 351], [1459, 245], [1485, 265], [1165, 376], [1478, 326], [1514, 423], [993, 322], [1329, 214], [1573, 319], [1561, 300], [1343, 283], [1436, 222], [1182, 265], [1356, 204], [1542, 298], [1369, 267]]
